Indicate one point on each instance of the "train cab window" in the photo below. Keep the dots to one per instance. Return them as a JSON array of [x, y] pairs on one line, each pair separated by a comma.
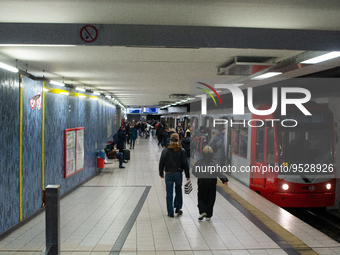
[[311, 147], [259, 149], [270, 146]]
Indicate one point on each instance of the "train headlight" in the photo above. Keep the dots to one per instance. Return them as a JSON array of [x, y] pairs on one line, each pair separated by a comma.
[[285, 186], [328, 186]]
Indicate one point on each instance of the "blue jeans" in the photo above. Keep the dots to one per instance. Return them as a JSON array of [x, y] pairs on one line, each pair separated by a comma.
[[170, 179], [120, 157]]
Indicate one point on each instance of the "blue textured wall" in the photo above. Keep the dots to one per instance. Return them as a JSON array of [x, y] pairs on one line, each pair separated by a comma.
[[9, 149], [31, 148], [96, 116]]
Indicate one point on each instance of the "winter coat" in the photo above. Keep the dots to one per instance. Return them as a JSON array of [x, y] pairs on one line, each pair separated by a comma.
[[218, 146], [121, 136], [174, 159], [186, 145], [133, 133]]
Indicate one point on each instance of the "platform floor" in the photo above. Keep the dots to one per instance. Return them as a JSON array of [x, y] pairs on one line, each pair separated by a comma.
[[123, 211]]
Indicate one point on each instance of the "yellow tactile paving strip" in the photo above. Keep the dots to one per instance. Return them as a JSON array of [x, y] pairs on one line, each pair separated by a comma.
[[291, 239]]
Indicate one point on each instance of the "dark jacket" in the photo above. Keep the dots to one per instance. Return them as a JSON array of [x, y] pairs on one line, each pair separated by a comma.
[[166, 137], [186, 145], [133, 133], [174, 159], [127, 130], [217, 144], [121, 136]]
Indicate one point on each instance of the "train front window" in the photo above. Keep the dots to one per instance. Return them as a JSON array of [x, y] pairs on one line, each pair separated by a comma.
[[306, 147]]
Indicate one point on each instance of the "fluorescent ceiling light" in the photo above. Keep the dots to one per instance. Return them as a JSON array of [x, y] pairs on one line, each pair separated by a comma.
[[108, 96], [9, 68], [94, 98], [57, 83], [36, 45], [266, 75], [80, 89], [96, 93], [64, 93], [324, 57]]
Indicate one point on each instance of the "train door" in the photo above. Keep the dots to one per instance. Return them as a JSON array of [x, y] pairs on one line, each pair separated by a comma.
[[227, 142], [263, 155], [257, 176]]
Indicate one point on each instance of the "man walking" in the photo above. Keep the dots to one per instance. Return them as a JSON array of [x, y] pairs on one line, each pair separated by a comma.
[[173, 162]]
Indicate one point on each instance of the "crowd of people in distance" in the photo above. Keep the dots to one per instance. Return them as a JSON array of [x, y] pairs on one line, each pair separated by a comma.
[[179, 147]]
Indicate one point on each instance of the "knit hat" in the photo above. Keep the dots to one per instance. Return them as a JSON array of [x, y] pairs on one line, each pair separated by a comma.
[[174, 137]]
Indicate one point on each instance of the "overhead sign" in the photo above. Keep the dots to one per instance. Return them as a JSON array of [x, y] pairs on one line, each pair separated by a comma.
[[88, 33]]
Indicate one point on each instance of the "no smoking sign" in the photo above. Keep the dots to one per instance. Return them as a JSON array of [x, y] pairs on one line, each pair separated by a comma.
[[88, 33]]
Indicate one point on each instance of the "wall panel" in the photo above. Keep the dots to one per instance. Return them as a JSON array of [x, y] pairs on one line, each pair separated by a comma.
[[9, 149], [31, 148]]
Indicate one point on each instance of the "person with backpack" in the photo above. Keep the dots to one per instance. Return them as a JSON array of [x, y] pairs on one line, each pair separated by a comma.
[[173, 162], [202, 141], [217, 143]]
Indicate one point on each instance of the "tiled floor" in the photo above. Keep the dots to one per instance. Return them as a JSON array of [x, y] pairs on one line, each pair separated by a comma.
[[123, 211]]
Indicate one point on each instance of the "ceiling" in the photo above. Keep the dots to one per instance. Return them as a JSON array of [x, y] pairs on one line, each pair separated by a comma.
[[139, 76]]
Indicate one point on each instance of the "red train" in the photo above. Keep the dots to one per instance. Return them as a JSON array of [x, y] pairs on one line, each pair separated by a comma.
[[304, 155], [299, 149]]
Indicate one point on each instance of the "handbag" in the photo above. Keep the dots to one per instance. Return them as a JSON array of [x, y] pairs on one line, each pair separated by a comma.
[[188, 187]]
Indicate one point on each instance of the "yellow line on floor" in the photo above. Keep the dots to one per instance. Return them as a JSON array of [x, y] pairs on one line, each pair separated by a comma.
[[291, 239]]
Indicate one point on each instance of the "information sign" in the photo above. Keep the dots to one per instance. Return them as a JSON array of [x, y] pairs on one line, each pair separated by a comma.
[[74, 150]]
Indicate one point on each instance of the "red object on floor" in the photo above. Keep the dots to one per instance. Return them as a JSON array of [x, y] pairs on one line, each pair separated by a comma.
[[100, 163]]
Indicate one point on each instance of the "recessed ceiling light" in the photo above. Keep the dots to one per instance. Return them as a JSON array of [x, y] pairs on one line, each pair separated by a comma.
[[324, 57], [266, 75], [9, 68], [57, 83], [80, 89]]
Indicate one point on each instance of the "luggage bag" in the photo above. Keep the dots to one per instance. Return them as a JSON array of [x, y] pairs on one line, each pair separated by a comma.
[[126, 154]]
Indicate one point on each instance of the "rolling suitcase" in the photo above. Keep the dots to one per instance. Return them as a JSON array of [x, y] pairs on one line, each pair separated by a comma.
[[126, 154]]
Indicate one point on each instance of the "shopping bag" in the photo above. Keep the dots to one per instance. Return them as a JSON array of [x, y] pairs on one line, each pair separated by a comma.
[[188, 187]]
